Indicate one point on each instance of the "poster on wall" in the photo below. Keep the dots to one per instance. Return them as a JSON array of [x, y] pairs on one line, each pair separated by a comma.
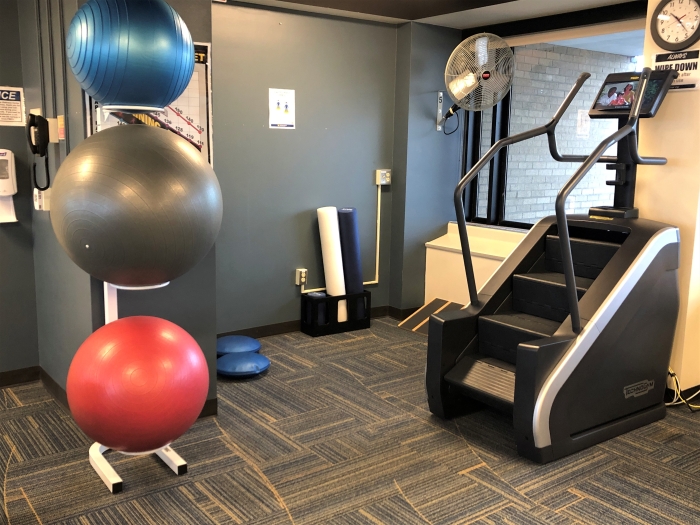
[[11, 106], [282, 109], [686, 63], [189, 116]]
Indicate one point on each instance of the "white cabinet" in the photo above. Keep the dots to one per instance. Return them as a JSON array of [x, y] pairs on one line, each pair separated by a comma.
[[444, 272]]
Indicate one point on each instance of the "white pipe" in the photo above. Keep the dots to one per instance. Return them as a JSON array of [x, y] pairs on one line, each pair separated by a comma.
[[111, 305], [378, 236]]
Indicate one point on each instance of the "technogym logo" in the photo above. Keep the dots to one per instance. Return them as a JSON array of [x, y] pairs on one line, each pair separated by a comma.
[[638, 389]]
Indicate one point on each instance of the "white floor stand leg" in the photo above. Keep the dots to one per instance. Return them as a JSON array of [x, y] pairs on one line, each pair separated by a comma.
[[173, 460], [111, 478], [97, 460], [104, 469]]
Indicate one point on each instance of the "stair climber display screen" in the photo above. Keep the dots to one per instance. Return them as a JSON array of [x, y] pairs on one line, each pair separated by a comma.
[[619, 91], [516, 346]]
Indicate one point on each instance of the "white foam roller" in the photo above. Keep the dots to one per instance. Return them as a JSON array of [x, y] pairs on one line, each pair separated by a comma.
[[332, 257]]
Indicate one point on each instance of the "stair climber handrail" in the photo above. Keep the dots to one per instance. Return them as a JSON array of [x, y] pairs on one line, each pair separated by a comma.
[[560, 205], [549, 129]]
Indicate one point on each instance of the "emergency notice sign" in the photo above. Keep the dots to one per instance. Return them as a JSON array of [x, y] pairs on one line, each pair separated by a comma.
[[686, 63], [11, 106]]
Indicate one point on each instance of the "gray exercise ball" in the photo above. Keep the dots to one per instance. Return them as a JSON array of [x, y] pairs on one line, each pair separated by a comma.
[[136, 206]]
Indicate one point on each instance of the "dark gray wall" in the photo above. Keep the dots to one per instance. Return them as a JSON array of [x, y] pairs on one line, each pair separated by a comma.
[[401, 122], [190, 301], [428, 168], [62, 289], [18, 329], [273, 181], [67, 308]]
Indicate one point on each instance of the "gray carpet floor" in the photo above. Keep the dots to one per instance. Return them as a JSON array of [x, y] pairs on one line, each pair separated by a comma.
[[338, 432]]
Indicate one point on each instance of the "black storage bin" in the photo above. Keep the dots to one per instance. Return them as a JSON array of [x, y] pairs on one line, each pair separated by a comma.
[[319, 315]]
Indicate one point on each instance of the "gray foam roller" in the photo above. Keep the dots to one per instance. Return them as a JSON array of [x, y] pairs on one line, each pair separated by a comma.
[[136, 206]]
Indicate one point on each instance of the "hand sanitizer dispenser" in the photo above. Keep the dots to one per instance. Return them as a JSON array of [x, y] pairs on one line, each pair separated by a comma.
[[8, 186]]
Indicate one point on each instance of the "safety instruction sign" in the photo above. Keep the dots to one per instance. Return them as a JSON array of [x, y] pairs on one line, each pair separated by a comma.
[[282, 109], [11, 106], [687, 65]]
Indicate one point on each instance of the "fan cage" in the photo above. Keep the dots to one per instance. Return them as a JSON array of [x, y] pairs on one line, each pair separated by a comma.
[[479, 73]]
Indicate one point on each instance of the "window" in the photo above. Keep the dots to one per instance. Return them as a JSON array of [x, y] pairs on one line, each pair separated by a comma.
[[522, 186]]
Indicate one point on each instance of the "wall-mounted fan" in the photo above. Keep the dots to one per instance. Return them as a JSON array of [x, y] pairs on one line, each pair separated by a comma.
[[479, 73]]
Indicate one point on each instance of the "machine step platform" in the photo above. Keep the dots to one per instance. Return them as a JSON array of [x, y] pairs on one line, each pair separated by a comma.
[[489, 380], [500, 335], [544, 294], [590, 257]]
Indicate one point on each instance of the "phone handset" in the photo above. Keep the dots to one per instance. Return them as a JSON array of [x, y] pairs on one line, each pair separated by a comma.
[[38, 138]]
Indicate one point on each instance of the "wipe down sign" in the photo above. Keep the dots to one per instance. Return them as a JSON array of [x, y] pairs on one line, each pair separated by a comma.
[[686, 63]]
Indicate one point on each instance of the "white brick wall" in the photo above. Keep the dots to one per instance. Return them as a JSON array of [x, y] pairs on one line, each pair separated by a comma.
[[544, 74]]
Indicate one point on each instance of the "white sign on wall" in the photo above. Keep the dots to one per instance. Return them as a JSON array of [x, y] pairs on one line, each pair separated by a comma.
[[282, 109], [11, 106], [686, 63], [583, 124]]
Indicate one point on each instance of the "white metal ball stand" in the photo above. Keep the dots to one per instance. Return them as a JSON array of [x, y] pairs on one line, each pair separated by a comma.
[[97, 460]]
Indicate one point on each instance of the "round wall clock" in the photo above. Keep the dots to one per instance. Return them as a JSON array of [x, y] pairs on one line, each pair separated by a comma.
[[675, 24]]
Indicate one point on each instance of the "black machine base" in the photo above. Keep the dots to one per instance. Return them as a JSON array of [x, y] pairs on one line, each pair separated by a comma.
[[510, 351], [588, 438]]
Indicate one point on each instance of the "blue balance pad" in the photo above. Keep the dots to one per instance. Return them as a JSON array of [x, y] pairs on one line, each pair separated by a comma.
[[242, 364], [236, 344]]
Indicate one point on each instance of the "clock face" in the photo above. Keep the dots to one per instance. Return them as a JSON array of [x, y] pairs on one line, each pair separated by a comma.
[[677, 24]]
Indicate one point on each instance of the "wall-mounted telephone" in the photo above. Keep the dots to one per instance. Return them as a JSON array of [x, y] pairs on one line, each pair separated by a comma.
[[38, 138]]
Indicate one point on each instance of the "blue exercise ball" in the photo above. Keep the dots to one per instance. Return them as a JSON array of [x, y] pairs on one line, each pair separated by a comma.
[[237, 344], [242, 365], [132, 55]]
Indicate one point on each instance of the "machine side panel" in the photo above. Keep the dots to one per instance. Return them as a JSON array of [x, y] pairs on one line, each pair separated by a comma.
[[535, 362], [646, 295], [625, 370]]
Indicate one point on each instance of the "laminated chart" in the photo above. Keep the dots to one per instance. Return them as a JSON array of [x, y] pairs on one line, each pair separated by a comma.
[[188, 116]]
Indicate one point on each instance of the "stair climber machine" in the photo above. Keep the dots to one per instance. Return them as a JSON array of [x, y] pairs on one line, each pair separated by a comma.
[[573, 333]]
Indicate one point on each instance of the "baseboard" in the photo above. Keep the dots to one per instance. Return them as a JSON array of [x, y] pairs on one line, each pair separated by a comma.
[[379, 311], [211, 408], [399, 314], [267, 330], [291, 326], [55, 389], [59, 394], [17, 377]]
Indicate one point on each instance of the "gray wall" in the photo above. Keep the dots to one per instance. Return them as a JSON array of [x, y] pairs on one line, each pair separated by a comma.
[[67, 308], [64, 307], [18, 330], [401, 128], [273, 181], [428, 167], [189, 301]]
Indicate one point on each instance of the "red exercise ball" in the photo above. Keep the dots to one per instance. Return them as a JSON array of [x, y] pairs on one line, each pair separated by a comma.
[[137, 384]]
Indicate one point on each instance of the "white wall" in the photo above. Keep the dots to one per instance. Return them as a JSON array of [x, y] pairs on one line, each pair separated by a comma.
[[671, 194]]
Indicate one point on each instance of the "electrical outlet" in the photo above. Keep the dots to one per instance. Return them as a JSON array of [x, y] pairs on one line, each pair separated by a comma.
[[383, 177], [301, 276]]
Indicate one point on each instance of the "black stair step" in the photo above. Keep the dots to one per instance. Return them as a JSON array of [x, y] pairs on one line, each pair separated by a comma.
[[484, 378], [544, 294], [590, 257], [500, 335]]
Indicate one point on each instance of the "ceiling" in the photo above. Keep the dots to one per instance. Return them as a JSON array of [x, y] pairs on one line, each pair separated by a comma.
[[629, 43], [403, 9], [459, 14], [517, 10]]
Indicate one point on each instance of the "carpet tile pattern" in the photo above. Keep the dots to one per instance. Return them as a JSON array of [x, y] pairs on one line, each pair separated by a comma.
[[338, 433]]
